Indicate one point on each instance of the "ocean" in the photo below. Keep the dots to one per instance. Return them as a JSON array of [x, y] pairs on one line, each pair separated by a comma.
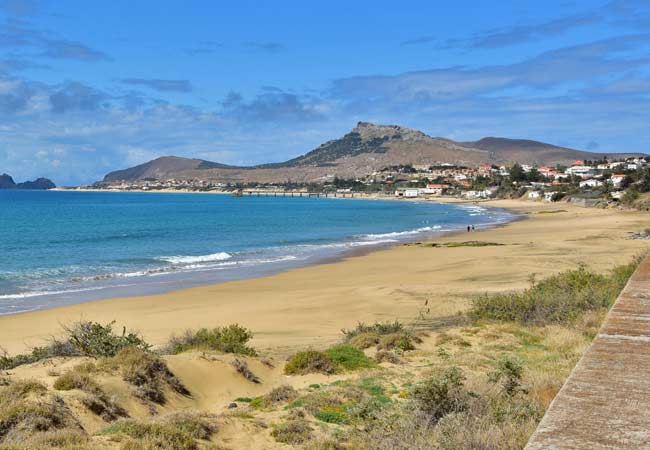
[[60, 247]]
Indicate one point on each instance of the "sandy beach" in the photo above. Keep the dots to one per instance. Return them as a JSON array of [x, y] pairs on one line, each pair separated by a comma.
[[308, 307]]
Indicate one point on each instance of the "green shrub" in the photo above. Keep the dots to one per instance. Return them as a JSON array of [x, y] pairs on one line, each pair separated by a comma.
[[441, 394], [348, 357], [508, 374], [309, 361], [229, 339], [560, 298], [332, 414], [97, 340]]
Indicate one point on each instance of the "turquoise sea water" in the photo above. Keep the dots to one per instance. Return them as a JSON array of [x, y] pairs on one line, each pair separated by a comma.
[[66, 247]]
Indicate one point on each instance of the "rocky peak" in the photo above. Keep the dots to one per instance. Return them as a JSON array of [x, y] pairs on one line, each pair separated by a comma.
[[369, 130]]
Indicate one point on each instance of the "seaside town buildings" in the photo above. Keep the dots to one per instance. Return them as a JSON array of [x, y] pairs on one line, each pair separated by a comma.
[[539, 183]]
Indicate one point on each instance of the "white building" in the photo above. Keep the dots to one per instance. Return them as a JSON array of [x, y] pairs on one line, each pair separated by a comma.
[[617, 179], [476, 194], [591, 183], [407, 192], [534, 195], [581, 171]]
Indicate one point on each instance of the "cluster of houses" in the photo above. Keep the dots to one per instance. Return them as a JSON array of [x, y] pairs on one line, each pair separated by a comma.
[[157, 185], [591, 176]]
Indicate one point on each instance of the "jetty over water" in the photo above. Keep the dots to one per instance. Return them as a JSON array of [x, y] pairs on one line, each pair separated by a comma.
[[605, 402], [266, 193]]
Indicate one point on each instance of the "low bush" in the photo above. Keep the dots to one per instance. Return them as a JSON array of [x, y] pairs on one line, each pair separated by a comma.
[[386, 356], [148, 373], [277, 395], [75, 380], [441, 394], [398, 341], [97, 340], [229, 339], [309, 361], [282, 394], [378, 328], [365, 340], [154, 435], [82, 338], [508, 374], [560, 298], [347, 357], [292, 432], [27, 410]]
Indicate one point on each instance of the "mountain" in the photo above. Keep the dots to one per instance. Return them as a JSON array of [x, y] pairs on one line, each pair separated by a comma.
[[162, 168], [7, 182], [526, 151], [365, 149]]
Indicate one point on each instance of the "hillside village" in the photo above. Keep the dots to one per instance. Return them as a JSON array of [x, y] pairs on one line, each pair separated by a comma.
[[584, 182]]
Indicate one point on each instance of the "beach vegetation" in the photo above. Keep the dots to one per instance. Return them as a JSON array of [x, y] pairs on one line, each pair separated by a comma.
[[377, 328], [387, 356], [98, 340], [561, 298], [180, 431], [346, 357], [292, 432], [242, 368], [94, 398], [309, 361], [338, 358], [280, 394], [28, 411], [403, 341], [441, 393], [229, 339], [81, 338], [147, 373]]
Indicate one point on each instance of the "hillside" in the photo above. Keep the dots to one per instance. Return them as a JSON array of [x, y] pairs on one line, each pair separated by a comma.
[[162, 168], [365, 149]]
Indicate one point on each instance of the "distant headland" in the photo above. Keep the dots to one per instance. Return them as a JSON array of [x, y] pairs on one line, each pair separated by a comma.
[[7, 182]]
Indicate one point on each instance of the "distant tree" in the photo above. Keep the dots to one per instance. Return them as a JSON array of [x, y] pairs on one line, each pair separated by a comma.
[[517, 173]]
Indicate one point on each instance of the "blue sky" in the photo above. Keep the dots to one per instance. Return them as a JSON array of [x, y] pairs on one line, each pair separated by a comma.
[[89, 87]]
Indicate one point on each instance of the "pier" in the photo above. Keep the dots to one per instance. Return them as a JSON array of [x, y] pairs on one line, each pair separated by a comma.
[[262, 193]]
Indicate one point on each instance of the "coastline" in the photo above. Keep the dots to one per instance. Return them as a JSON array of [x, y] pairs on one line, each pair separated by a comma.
[[207, 266], [307, 306]]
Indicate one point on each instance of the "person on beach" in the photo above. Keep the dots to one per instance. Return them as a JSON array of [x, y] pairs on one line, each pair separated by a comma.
[[473, 228], [469, 228]]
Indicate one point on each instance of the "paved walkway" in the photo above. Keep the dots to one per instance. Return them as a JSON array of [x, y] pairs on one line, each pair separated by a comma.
[[605, 403]]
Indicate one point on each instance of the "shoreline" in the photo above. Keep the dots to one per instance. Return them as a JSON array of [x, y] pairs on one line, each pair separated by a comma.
[[307, 306], [148, 281]]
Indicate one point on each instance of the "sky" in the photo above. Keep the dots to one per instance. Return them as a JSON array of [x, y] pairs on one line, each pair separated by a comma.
[[90, 87]]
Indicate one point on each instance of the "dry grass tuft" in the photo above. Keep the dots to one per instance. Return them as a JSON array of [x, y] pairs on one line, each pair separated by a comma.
[[242, 368]]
